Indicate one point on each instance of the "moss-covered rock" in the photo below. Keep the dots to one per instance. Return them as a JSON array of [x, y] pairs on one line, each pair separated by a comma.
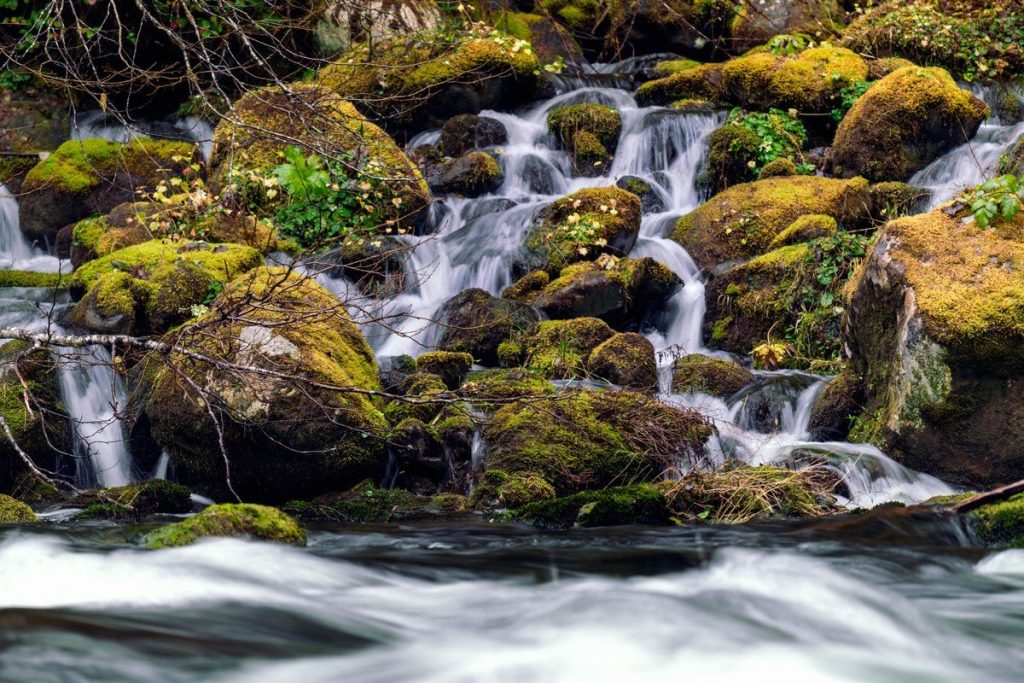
[[558, 349], [626, 359], [894, 199], [375, 263], [472, 174], [737, 150], [809, 82], [550, 41], [641, 504], [650, 199], [743, 220], [936, 319], [451, 367], [86, 177], [590, 132], [238, 520], [838, 403], [500, 490], [291, 436], [366, 502], [13, 511], [476, 322], [582, 440], [31, 278], [489, 389], [136, 501], [791, 294], [149, 287], [804, 229], [581, 226], [697, 373], [883, 66], [418, 81], [249, 143], [30, 402], [904, 122], [422, 392], [1000, 524], [673, 66]]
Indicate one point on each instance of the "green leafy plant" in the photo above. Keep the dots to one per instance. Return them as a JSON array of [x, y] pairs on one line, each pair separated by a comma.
[[787, 44], [996, 198], [847, 96], [780, 135]]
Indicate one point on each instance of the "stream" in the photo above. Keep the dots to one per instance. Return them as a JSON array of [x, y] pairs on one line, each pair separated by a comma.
[[873, 595]]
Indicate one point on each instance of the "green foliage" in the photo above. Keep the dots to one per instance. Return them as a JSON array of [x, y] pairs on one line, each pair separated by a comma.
[[847, 96], [325, 203], [995, 198], [780, 135], [786, 44], [12, 79]]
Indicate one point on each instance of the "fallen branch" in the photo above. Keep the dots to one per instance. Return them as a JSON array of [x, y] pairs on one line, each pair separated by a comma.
[[989, 497]]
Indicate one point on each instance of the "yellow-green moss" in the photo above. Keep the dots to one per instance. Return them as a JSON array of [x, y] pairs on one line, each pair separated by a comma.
[[702, 82], [643, 504], [902, 123], [1000, 524], [498, 489], [31, 278], [744, 219], [504, 385], [697, 373], [13, 511], [805, 228], [626, 359], [589, 131], [583, 225], [450, 366], [78, 165], [674, 66], [559, 348], [230, 519]]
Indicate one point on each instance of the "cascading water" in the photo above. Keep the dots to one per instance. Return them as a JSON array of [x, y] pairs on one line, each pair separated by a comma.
[[973, 162], [15, 251]]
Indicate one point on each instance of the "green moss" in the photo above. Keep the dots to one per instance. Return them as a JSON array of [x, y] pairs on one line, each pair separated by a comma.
[[1000, 524], [702, 82], [559, 349], [902, 123], [778, 167], [526, 287], [30, 278], [642, 504], [497, 490], [805, 228], [420, 388], [79, 165], [230, 519], [743, 220], [14, 511], [697, 373], [136, 501], [674, 66], [87, 233], [626, 359], [583, 225], [589, 131], [449, 366], [585, 439], [503, 385]]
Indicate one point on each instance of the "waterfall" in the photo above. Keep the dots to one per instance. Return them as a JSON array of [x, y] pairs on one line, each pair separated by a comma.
[[93, 395], [15, 251], [99, 124], [971, 163]]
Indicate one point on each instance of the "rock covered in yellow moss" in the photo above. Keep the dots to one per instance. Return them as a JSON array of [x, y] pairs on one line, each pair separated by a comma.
[[313, 430], [249, 144], [85, 177], [13, 511], [416, 81], [697, 373], [904, 122], [936, 321], [237, 520], [627, 360], [590, 132], [744, 219]]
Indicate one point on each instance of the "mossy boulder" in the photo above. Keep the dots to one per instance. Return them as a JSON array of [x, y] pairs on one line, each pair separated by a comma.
[[28, 380], [497, 489], [418, 81], [31, 278], [294, 435], [375, 263], [1000, 524], [86, 177], [590, 132], [883, 66], [894, 199], [627, 360], [700, 374], [451, 367], [668, 67], [422, 392], [13, 511], [550, 41], [579, 227], [582, 440], [791, 295], [778, 168], [366, 502], [476, 322], [149, 287], [809, 81], [251, 140], [486, 386], [470, 175], [936, 320], [736, 151], [237, 520], [743, 220], [468, 132], [619, 291], [135, 501], [650, 199], [903, 123], [641, 504], [559, 349], [804, 229]]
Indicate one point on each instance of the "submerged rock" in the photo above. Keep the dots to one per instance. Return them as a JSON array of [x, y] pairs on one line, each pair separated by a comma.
[[936, 321], [903, 123], [239, 520]]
